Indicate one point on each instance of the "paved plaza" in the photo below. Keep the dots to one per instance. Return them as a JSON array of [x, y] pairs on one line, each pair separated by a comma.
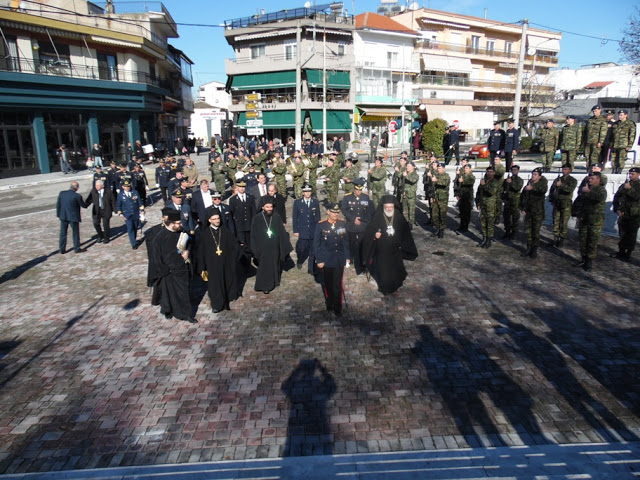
[[480, 348]]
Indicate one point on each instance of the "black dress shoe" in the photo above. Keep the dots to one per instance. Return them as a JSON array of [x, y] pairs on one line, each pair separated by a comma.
[[337, 313], [80, 250], [62, 252], [168, 316], [105, 241], [299, 265], [217, 311], [266, 292], [99, 240], [191, 320], [135, 247]]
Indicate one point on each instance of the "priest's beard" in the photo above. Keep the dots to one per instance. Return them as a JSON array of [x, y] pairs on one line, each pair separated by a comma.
[[268, 214], [388, 214]]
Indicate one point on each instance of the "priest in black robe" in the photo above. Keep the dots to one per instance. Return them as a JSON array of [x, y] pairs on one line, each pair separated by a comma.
[[387, 241], [171, 272], [218, 254], [149, 235], [270, 246]]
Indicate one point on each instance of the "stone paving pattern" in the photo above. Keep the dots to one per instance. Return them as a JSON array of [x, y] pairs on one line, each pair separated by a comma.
[[479, 348]]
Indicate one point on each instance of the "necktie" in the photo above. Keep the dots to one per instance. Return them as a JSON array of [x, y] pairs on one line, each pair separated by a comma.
[[100, 204], [262, 192]]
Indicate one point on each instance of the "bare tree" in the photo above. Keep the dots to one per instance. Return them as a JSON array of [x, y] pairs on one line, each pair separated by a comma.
[[630, 44]]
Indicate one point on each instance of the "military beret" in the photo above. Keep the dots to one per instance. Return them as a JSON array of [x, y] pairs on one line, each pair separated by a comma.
[[567, 165], [441, 165], [126, 183], [511, 120], [597, 165], [173, 216], [610, 112], [216, 195], [634, 170], [550, 120], [251, 165], [334, 207], [571, 116], [241, 183], [595, 174], [359, 183], [452, 126], [623, 111], [177, 193], [211, 212], [497, 122], [537, 170], [490, 168], [596, 107], [515, 166], [413, 164], [307, 188]]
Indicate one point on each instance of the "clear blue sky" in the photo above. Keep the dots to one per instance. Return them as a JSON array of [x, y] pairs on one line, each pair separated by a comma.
[[207, 47]]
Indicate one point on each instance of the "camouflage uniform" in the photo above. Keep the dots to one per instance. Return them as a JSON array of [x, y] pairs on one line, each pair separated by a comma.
[[465, 200], [260, 162], [511, 213], [532, 203], [549, 137], [571, 142], [594, 134], [591, 221], [499, 176], [624, 133], [561, 199], [486, 201], [441, 200], [314, 163], [378, 180], [279, 171], [298, 174], [409, 196], [232, 169], [332, 181], [628, 202], [351, 173], [219, 174]]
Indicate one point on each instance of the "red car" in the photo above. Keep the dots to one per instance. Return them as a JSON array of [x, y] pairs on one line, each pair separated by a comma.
[[480, 150]]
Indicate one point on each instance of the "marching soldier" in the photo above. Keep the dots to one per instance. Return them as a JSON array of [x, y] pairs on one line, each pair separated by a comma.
[[306, 215], [260, 160], [298, 172], [130, 207], [499, 176], [591, 219], [486, 196], [561, 197], [571, 141], [549, 137], [279, 170], [409, 194], [624, 133], [100, 175], [218, 173], [429, 190], [532, 207], [232, 167], [312, 168], [594, 135], [397, 181], [440, 200], [626, 204], [331, 174], [141, 182], [512, 187], [358, 210], [349, 174], [465, 185], [377, 181]]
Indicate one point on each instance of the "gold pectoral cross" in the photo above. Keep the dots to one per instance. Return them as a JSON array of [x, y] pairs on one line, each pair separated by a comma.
[[218, 251]]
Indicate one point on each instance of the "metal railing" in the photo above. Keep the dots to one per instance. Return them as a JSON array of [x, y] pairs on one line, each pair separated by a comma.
[[473, 50], [467, 82], [292, 14], [66, 69], [272, 98], [280, 57]]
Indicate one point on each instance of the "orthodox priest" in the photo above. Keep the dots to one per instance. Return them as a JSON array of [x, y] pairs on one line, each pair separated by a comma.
[[270, 246], [387, 241], [170, 270], [218, 254], [149, 235]]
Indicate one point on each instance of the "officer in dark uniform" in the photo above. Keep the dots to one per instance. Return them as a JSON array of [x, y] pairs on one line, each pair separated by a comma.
[[608, 138], [178, 203], [306, 215], [163, 173], [111, 176], [497, 139], [251, 178], [102, 176], [242, 206], [175, 181], [121, 176], [227, 217], [331, 249], [141, 182], [358, 211], [130, 207]]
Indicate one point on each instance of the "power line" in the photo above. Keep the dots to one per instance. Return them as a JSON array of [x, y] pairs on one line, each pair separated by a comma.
[[583, 35]]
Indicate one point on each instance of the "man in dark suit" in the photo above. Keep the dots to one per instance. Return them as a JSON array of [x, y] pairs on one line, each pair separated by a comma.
[[260, 190], [68, 211], [227, 217], [104, 203], [242, 206], [178, 202], [200, 201], [306, 215]]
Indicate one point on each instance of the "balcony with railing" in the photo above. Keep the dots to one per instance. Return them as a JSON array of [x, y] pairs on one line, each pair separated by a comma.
[[66, 69], [281, 61], [313, 13], [287, 100], [465, 82], [484, 53]]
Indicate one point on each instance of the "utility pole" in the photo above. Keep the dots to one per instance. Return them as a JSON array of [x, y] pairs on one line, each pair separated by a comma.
[[324, 88], [516, 105], [298, 117]]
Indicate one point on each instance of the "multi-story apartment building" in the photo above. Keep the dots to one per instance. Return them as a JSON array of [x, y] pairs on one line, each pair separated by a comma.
[[266, 63], [211, 110], [386, 66], [469, 64], [79, 73]]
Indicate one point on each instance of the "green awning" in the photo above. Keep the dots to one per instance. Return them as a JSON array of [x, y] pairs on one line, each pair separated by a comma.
[[334, 79], [264, 81], [273, 119], [338, 121]]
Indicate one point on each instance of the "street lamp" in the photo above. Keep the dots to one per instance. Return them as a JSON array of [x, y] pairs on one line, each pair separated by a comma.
[[402, 109]]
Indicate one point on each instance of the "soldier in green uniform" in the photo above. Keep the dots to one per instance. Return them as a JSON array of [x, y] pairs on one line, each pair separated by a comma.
[[608, 138], [593, 198], [624, 133], [464, 196], [429, 194], [298, 172], [532, 207], [331, 174], [596, 167], [561, 197], [232, 167], [377, 181], [570, 141], [218, 173], [512, 187], [549, 137], [279, 170], [314, 164], [349, 174], [486, 201], [626, 204], [440, 200], [260, 160], [594, 135], [373, 144], [397, 181], [499, 176], [411, 179]]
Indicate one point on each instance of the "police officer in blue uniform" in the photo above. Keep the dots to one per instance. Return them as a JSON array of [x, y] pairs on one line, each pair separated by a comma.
[[306, 215], [100, 175], [331, 251], [122, 176], [358, 211], [129, 207], [163, 174]]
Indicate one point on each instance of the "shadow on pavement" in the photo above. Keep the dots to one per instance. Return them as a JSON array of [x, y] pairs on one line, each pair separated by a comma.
[[20, 269]]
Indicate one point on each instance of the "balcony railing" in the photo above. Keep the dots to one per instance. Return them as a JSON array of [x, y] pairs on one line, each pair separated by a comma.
[[66, 69], [291, 98], [467, 82], [292, 14], [280, 57], [473, 50]]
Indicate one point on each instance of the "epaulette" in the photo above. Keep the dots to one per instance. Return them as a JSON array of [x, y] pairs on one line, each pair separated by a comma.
[[322, 221]]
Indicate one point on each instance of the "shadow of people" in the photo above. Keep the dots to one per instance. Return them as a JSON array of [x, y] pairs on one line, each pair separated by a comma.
[[463, 373], [308, 389], [20, 269]]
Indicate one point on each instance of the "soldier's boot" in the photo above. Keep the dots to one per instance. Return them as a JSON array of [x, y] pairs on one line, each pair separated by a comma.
[[534, 252], [526, 252], [441, 233], [435, 234], [582, 262], [560, 242], [507, 234], [587, 265], [487, 243], [554, 242], [484, 240], [627, 254]]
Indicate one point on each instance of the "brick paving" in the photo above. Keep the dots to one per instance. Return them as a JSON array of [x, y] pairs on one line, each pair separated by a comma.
[[479, 348]]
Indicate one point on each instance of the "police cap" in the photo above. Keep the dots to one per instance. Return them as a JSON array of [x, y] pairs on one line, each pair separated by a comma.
[[359, 183], [241, 183], [537, 170], [126, 183], [307, 188], [623, 111], [177, 193], [334, 207]]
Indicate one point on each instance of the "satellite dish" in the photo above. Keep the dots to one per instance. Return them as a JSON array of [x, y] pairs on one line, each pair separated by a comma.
[[531, 51], [307, 4], [414, 6]]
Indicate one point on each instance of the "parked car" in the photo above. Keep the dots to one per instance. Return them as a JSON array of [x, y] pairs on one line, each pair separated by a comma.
[[480, 150]]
